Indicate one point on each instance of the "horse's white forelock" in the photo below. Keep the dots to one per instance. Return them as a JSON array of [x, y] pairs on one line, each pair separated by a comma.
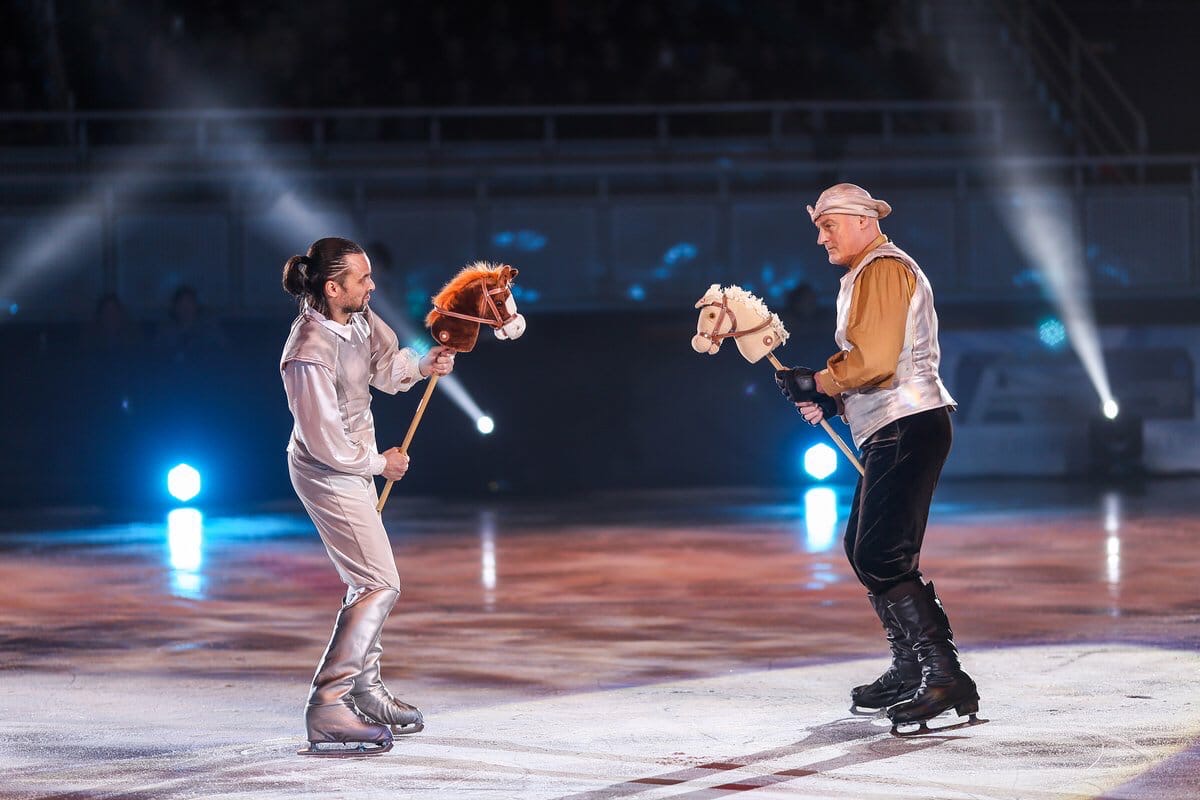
[[737, 294]]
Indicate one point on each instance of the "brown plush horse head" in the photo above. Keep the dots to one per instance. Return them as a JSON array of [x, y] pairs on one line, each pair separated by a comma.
[[480, 294]]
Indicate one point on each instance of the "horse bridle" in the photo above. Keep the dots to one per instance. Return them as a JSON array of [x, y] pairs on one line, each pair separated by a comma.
[[498, 320], [716, 337]]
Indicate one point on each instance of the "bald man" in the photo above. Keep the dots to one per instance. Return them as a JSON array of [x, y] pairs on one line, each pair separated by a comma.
[[884, 382]]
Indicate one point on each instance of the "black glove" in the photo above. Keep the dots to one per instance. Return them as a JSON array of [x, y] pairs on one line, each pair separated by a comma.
[[799, 386]]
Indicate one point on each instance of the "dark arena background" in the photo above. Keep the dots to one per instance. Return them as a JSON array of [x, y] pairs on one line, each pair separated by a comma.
[[621, 560]]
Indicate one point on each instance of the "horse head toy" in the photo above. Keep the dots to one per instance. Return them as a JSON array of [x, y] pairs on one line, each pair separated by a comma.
[[734, 313], [480, 294]]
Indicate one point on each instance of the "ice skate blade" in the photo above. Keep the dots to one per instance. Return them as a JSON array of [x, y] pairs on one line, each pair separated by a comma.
[[344, 749], [923, 728], [864, 711], [401, 730]]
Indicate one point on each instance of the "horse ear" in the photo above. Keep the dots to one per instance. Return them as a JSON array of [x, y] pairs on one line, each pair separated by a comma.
[[509, 273]]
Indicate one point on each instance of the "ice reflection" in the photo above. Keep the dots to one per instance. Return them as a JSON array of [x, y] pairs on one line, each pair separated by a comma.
[[185, 540], [487, 557], [1112, 548], [820, 519], [1112, 512]]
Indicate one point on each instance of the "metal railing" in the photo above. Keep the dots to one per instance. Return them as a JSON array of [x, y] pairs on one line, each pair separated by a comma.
[[546, 127], [1107, 121]]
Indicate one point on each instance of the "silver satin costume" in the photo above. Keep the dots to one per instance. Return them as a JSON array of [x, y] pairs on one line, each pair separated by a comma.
[[916, 386], [328, 369]]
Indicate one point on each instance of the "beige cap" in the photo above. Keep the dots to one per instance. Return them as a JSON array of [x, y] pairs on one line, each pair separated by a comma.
[[846, 198]]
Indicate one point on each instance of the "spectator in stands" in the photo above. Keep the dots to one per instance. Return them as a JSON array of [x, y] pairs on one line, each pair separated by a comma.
[[492, 52], [111, 332], [189, 331]]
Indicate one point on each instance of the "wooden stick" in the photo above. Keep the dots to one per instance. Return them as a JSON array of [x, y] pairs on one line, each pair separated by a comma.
[[408, 437], [832, 433]]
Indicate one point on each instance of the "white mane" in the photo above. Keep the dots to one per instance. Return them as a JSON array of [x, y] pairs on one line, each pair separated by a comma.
[[740, 296]]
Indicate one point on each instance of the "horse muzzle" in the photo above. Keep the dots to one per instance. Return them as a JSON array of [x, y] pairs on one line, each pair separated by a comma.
[[704, 344], [512, 329]]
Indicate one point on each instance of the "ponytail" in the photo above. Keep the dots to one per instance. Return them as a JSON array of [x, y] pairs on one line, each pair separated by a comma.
[[295, 276], [304, 276]]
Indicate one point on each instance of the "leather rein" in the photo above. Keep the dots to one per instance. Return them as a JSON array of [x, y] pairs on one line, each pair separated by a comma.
[[497, 320], [715, 336]]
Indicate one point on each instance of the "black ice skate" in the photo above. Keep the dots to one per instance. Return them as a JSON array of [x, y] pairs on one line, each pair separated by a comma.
[[900, 681], [944, 684]]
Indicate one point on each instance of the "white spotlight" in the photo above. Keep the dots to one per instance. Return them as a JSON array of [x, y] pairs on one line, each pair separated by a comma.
[[820, 461], [183, 482], [485, 424], [1111, 409]]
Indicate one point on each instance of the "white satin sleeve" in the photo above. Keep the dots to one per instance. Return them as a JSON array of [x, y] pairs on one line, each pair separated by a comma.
[[312, 399], [397, 370], [393, 368]]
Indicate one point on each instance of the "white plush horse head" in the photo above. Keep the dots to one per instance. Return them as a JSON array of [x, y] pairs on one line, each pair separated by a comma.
[[734, 313]]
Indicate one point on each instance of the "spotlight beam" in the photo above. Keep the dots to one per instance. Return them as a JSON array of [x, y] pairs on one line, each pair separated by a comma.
[[1052, 244], [382, 304], [43, 252], [299, 217], [1049, 240]]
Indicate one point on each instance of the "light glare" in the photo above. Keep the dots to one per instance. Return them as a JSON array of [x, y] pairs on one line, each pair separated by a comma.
[[485, 424], [1111, 409], [820, 461], [820, 518], [1052, 333], [185, 536], [183, 482]]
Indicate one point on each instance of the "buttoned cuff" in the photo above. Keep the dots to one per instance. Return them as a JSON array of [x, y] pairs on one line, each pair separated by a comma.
[[406, 369], [378, 464]]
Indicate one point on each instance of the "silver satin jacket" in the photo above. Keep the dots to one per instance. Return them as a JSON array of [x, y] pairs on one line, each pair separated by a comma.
[[327, 370], [915, 386]]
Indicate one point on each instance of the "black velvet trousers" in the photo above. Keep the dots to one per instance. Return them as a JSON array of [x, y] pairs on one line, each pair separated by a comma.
[[902, 462]]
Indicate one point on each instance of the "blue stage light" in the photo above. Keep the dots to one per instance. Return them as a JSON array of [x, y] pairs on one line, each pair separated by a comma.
[[680, 253], [183, 482], [820, 461], [1052, 333]]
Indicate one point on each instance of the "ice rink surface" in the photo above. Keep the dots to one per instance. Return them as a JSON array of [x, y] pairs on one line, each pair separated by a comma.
[[648, 647]]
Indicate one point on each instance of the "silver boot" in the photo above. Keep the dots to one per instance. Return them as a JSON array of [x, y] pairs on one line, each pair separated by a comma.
[[330, 717], [377, 703]]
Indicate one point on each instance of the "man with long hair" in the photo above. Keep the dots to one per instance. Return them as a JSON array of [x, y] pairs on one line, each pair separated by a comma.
[[336, 351]]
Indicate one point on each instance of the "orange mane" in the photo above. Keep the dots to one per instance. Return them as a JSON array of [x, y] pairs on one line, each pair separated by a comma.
[[459, 283]]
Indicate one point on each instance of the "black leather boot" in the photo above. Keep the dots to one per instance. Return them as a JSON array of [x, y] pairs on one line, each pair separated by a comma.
[[944, 685], [902, 678]]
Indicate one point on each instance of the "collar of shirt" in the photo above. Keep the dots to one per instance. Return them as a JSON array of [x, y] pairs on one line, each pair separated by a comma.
[[343, 332], [880, 239]]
